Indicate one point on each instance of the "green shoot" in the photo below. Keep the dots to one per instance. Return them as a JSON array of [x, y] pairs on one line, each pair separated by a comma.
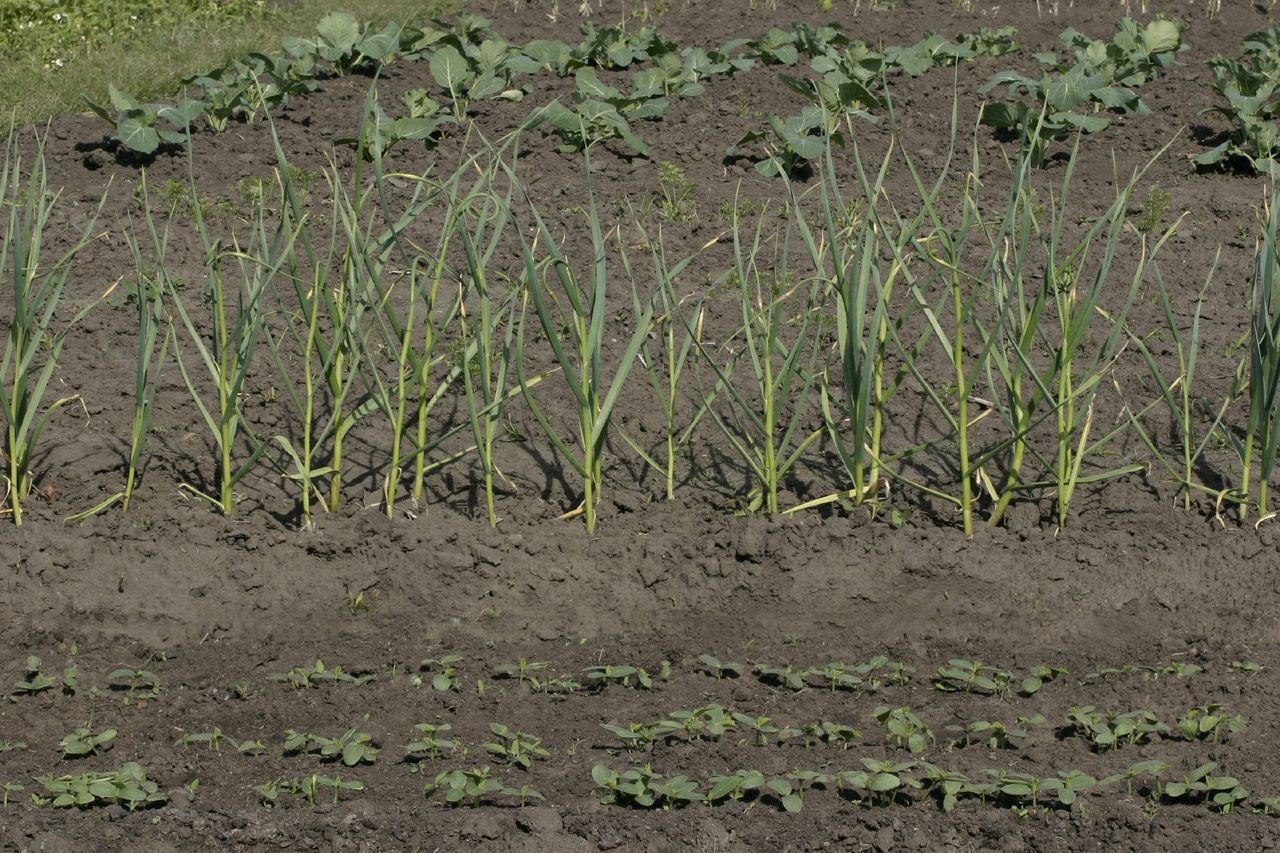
[[32, 344], [576, 310]]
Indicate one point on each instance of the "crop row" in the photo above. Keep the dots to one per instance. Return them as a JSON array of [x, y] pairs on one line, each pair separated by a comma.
[[842, 302], [434, 749]]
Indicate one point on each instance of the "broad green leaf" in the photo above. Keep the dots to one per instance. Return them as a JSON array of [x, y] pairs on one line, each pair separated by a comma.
[[486, 85], [449, 69], [591, 86], [339, 30], [122, 101], [1161, 36], [135, 133]]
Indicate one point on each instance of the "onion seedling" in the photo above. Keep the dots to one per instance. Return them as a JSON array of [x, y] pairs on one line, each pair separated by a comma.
[[32, 344], [573, 312], [238, 322], [1177, 391], [306, 367], [665, 368], [487, 333], [1069, 300], [780, 348], [147, 294], [854, 411], [1262, 426]]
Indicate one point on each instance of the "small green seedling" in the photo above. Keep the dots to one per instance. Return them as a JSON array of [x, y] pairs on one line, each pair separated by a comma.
[[351, 748], [317, 674], [515, 747], [880, 783], [1153, 769], [1209, 721], [995, 734], [521, 670], [972, 677], [1200, 785], [34, 681], [764, 727], [1248, 667], [950, 786], [212, 740], [1038, 678], [641, 787], [602, 676], [128, 787], [904, 728], [308, 787], [251, 747], [10, 746], [470, 787], [1267, 806], [790, 789], [706, 723], [83, 741], [734, 786], [781, 676], [446, 678], [1110, 730], [430, 742], [139, 684], [634, 736], [830, 732], [720, 669], [554, 686]]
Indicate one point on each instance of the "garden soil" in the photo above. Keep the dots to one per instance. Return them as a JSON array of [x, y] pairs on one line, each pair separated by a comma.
[[214, 607]]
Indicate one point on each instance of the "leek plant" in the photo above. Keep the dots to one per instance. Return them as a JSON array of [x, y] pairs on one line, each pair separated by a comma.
[[779, 345], [32, 344], [238, 317], [305, 351], [1058, 313], [847, 251], [1178, 391], [665, 368], [488, 340], [147, 293], [572, 313], [1262, 426]]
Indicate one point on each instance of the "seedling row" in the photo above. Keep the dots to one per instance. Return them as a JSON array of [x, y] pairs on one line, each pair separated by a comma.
[[880, 755]]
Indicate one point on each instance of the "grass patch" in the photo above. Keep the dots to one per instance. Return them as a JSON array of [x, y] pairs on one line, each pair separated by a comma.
[[145, 47]]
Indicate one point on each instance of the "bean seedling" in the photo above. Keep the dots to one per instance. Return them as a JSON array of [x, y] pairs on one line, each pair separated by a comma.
[[1200, 785], [904, 728], [1209, 721], [1110, 730], [447, 678], [521, 670], [643, 788], [734, 786], [83, 741], [972, 677], [429, 742], [351, 748], [515, 747], [720, 669], [128, 786], [317, 674], [470, 787]]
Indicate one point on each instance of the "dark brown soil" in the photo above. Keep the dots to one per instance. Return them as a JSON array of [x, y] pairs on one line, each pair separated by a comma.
[[214, 606]]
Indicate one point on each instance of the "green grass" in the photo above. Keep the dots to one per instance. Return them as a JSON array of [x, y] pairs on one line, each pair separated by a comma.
[[145, 47]]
